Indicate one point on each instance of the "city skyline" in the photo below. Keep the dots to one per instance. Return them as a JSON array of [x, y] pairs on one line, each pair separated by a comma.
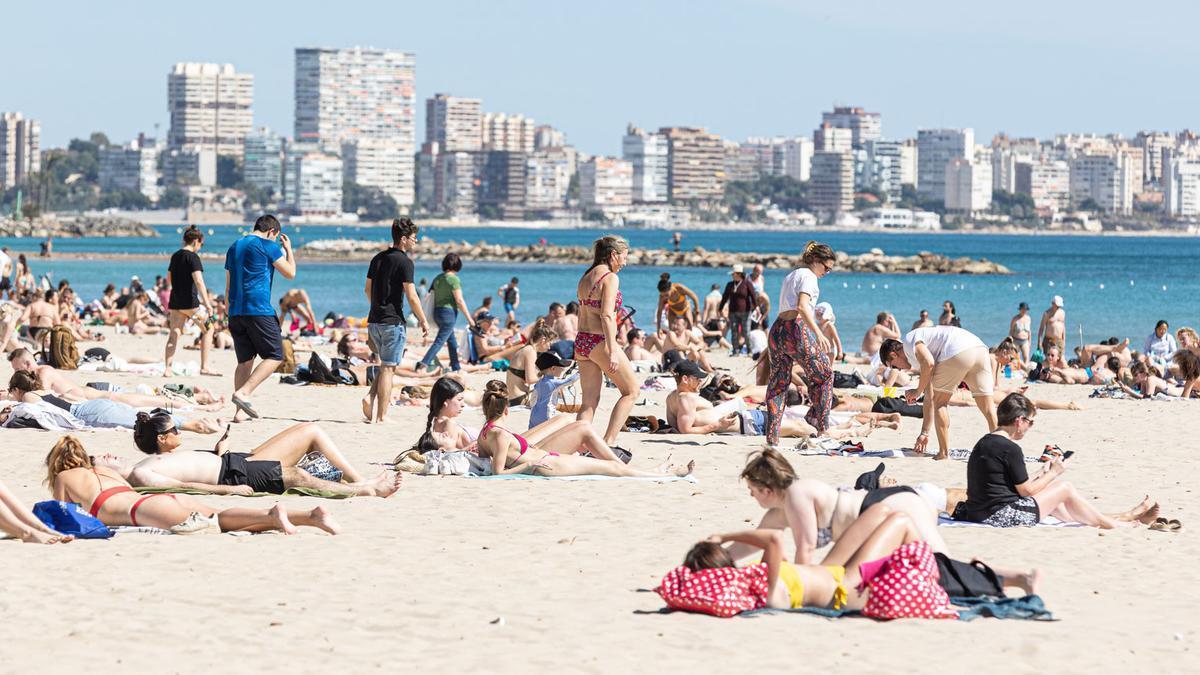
[[653, 66]]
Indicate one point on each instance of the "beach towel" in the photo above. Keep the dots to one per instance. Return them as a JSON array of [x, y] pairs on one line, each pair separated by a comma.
[[653, 479], [1029, 608], [297, 491], [1048, 521], [960, 454]]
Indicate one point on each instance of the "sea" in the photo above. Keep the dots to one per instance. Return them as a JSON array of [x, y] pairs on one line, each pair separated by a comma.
[[1111, 285]]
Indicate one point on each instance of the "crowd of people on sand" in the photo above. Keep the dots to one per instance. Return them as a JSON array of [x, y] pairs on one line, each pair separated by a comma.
[[798, 382]]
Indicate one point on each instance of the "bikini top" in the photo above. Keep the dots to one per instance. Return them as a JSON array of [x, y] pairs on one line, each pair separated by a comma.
[[104, 495], [524, 444], [595, 304], [677, 300]]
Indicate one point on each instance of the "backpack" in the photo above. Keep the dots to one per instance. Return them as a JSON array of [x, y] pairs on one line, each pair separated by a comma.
[[319, 371], [967, 580], [289, 358], [62, 353]]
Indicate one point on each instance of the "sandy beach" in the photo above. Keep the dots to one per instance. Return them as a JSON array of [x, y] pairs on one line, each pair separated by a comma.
[[455, 574]]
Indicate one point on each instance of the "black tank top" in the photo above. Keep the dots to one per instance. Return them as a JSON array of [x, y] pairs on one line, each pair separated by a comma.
[[56, 401]]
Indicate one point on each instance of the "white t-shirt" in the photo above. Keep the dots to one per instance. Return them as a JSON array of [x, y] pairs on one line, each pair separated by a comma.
[[757, 340], [944, 342], [5, 261], [800, 280]]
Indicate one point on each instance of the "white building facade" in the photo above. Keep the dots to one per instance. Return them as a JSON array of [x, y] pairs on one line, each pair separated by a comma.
[[262, 161], [935, 149], [1181, 186], [379, 163], [606, 184], [1048, 182], [648, 154], [831, 187], [20, 155], [130, 168], [1105, 179], [968, 186], [318, 185], [210, 106]]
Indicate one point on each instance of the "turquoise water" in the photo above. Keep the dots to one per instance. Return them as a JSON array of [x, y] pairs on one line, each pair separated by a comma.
[[1111, 285]]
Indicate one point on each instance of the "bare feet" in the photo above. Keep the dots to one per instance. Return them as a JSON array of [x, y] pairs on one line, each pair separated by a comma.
[[941, 455], [322, 519], [280, 518], [1137, 511], [384, 485], [1028, 582], [207, 371], [367, 406], [39, 537], [208, 425]]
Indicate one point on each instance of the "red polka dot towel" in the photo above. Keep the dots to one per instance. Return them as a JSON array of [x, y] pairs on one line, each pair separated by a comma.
[[724, 591]]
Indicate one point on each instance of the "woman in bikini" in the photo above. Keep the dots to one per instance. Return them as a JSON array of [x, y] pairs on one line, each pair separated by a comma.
[[97, 413], [1007, 354], [522, 369], [512, 453], [18, 522], [73, 477], [675, 298], [596, 347]]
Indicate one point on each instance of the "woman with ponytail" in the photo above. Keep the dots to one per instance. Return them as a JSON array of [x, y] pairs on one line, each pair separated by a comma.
[[74, 477], [188, 293], [513, 453], [796, 337], [522, 370], [675, 298]]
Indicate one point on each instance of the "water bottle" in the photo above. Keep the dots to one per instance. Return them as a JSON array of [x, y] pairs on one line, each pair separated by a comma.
[[1008, 370]]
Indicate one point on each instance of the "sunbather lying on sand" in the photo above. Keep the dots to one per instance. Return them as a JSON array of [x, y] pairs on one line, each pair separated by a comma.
[[73, 477]]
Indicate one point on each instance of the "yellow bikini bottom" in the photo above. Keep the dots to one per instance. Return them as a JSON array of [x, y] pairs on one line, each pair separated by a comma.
[[791, 580]]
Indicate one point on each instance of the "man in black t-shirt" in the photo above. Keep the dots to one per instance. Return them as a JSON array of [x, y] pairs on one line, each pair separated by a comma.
[[188, 293], [389, 282]]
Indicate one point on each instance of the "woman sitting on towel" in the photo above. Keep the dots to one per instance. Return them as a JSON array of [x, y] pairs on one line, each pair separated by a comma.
[[74, 478], [514, 454], [818, 513], [98, 413], [834, 583], [18, 522], [1000, 492]]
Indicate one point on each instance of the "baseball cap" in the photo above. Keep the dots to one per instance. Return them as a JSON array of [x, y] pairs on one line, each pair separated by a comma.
[[690, 369], [486, 316], [738, 269], [551, 360], [1057, 300]]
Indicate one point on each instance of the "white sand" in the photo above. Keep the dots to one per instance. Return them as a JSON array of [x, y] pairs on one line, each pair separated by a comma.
[[417, 581]]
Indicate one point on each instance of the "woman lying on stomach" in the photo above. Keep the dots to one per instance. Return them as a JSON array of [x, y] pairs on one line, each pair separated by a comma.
[[512, 453], [73, 477]]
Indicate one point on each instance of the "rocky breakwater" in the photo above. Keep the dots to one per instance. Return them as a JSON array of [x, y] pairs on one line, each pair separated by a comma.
[[75, 226], [874, 261]]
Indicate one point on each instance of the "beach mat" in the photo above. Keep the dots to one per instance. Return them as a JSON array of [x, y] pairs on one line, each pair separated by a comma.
[[1028, 608], [1048, 521], [295, 491], [960, 454], [654, 479]]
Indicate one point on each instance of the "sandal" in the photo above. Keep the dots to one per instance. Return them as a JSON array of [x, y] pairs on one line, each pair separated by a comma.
[[1163, 525]]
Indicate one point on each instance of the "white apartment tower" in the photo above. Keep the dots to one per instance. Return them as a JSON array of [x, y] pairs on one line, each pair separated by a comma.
[[1153, 143], [605, 184], [793, 157], [889, 166], [513, 133], [378, 163], [454, 123], [1048, 182], [20, 138], [831, 187], [968, 185], [864, 126], [935, 149], [1106, 179], [211, 107], [828, 138], [318, 185], [1181, 186], [131, 168], [343, 95], [547, 178], [648, 155]]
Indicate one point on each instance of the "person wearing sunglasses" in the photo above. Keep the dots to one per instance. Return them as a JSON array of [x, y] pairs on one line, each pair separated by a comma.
[[1000, 492]]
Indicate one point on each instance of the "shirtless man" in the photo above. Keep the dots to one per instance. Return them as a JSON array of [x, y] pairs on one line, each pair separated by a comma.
[[636, 351], [924, 321], [688, 412], [885, 328], [43, 315], [1053, 329], [684, 340], [220, 472], [1090, 354], [296, 303], [1020, 329], [712, 306], [50, 379], [138, 318]]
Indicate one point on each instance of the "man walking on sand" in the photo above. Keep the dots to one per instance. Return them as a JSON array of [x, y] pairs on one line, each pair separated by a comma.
[[1053, 329], [389, 282], [250, 265]]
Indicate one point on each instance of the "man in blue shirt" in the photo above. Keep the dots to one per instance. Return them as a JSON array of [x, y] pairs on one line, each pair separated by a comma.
[[250, 266]]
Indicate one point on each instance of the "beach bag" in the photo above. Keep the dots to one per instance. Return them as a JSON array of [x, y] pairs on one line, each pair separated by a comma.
[[318, 465], [319, 372], [342, 372], [906, 586], [289, 358], [847, 380], [69, 518], [62, 353], [967, 580], [720, 591]]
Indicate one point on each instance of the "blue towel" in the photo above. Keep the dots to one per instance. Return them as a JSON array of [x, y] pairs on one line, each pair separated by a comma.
[[1029, 608], [525, 476]]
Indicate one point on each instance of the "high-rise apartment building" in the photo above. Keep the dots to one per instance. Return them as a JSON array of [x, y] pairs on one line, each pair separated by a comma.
[[831, 186], [792, 157], [828, 138], [864, 126], [695, 166], [457, 174], [130, 168], [1105, 179], [968, 185], [343, 95], [743, 163], [20, 138], [317, 185], [184, 167], [502, 183], [935, 149], [262, 161], [649, 156], [546, 136], [547, 178], [1153, 144], [379, 163], [454, 123], [211, 107], [889, 166], [1181, 186], [1047, 181], [605, 184], [511, 133]]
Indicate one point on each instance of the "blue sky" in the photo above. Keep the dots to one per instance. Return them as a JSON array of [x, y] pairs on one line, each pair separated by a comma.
[[756, 67]]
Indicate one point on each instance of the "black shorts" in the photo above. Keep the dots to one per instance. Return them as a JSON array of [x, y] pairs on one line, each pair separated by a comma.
[[5, 283], [239, 468], [879, 494], [256, 336]]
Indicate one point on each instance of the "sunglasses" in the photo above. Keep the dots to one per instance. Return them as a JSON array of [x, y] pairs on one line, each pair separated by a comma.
[[1028, 420]]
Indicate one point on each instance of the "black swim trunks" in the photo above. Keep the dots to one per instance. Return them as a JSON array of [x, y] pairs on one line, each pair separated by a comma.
[[239, 468], [879, 494]]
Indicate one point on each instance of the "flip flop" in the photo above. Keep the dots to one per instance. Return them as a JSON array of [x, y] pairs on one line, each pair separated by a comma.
[[245, 407], [1159, 525], [1173, 525]]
